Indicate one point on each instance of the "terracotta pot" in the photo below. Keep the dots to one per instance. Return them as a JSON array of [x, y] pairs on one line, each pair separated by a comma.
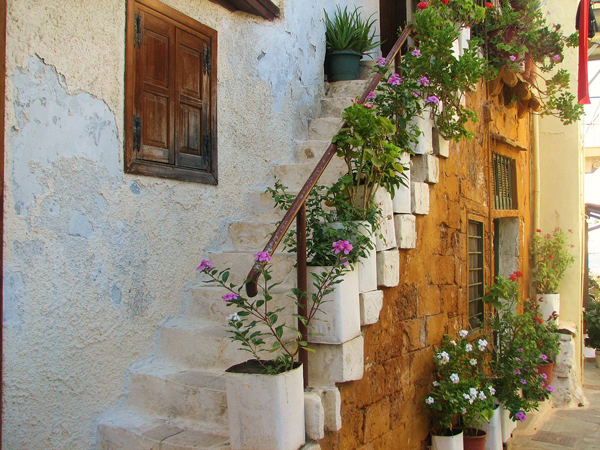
[[530, 70], [547, 369], [474, 439]]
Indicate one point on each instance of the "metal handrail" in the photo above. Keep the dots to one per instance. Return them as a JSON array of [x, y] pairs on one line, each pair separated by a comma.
[[298, 211]]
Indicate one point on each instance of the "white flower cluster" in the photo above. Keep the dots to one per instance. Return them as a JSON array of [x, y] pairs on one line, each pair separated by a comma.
[[463, 333], [443, 357], [454, 378], [482, 344], [429, 400], [469, 347], [233, 317]]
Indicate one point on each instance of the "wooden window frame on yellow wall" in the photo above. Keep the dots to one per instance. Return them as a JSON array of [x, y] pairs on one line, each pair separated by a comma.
[[484, 251], [170, 94]]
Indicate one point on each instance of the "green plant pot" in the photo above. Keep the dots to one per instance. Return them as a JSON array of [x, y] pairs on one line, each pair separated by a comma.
[[343, 65]]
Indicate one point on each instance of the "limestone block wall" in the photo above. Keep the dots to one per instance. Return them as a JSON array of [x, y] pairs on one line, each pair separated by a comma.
[[385, 409], [95, 259]]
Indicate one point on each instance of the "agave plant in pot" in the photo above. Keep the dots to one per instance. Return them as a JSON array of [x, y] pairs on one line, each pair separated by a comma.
[[551, 257], [265, 398], [460, 397], [348, 38]]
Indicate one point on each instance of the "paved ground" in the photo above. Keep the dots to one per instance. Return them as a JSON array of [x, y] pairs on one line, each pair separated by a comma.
[[565, 429]]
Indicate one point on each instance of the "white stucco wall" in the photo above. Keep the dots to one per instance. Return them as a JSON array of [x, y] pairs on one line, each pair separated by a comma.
[[561, 182], [95, 259]]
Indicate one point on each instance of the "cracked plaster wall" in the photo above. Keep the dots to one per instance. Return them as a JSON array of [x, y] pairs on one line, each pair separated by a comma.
[[95, 259]]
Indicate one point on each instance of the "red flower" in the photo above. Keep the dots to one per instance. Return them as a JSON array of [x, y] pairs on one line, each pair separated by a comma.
[[539, 320], [538, 230], [488, 5], [519, 274], [445, 2], [512, 277], [551, 256], [422, 5]]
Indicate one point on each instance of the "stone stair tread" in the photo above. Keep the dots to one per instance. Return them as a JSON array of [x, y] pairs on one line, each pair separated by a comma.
[[197, 324], [352, 88], [195, 378], [132, 429]]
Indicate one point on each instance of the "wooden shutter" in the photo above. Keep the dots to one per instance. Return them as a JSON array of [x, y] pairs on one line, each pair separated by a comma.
[[155, 88], [192, 138], [170, 104]]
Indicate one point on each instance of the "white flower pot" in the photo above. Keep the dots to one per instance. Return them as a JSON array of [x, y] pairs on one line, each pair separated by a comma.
[[548, 304], [508, 425], [401, 200], [265, 411], [493, 428], [597, 358], [385, 237], [338, 319], [447, 442]]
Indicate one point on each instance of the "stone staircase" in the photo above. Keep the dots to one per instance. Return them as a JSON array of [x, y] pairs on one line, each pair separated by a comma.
[[177, 398]]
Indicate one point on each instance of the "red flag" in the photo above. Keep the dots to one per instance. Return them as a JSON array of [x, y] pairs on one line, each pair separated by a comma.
[[583, 93]]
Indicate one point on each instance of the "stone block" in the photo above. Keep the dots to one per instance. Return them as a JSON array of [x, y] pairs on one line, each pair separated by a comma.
[[377, 420], [425, 168], [331, 400], [370, 307], [324, 129], [386, 235], [419, 198], [406, 230], [415, 334], [332, 364], [441, 147], [402, 200], [424, 145], [388, 268], [435, 329], [314, 416]]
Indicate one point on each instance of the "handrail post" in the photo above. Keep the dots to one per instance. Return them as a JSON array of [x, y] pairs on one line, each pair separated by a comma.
[[302, 281]]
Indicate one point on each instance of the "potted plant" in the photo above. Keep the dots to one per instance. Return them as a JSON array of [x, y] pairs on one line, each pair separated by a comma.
[[551, 258], [460, 397], [592, 327], [547, 339], [265, 398], [516, 354], [519, 40], [348, 38]]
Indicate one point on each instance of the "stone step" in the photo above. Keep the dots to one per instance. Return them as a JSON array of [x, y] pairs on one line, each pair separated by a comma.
[[198, 344], [295, 175], [205, 302], [136, 430], [324, 129], [240, 263], [176, 393], [262, 205], [250, 236], [310, 151], [353, 88], [333, 106]]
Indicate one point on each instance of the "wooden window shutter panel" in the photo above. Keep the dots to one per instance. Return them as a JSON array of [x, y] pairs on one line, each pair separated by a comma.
[[193, 102], [155, 88]]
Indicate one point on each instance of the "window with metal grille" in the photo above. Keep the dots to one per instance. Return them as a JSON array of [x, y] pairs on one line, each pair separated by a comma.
[[475, 273], [504, 182]]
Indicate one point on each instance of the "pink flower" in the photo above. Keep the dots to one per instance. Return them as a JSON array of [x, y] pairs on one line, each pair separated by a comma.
[[520, 416], [517, 372], [230, 297], [422, 5], [424, 81], [344, 261], [544, 376], [512, 58], [205, 264], [381, 62], [416, 52], [432, 99], [416, 94], [544, 357], [371, 95], [394, 79], [262, 256], [557, 58], [342, 246], [550, 388], [523, 382]]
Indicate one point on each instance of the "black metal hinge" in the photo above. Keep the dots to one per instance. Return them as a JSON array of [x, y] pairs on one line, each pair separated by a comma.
[[137, 38], [207, 59], [137, 133]]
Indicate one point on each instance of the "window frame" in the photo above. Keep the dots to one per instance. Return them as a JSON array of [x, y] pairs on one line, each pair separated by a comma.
[[481, 252], [133, 165]]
